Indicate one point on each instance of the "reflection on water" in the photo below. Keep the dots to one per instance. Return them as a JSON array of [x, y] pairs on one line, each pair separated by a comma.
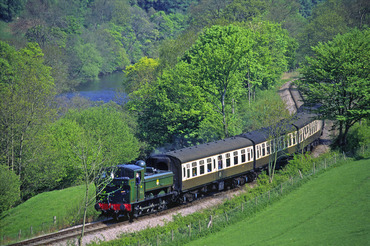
[[104, 89]]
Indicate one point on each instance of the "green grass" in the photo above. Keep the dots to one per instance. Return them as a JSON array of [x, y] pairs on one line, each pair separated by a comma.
[[331, 209], [39, 211]]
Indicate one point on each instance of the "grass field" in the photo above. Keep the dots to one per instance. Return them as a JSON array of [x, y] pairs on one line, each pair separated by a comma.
[[332, 209], [39, 211]]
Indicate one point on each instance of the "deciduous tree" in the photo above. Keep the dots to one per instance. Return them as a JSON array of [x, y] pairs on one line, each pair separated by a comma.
[[26, 94], [337, 79], [219, 59]]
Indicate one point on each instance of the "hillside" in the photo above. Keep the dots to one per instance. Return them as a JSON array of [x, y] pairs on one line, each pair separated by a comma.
[[331, 209]]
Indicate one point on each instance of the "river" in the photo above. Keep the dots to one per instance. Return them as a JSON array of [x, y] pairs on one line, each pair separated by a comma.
[[103, 89]]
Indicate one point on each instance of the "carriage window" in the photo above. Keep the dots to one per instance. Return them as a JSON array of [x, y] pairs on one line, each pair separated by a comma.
[[228, 160], [194, 169], [220, 164], [249, 154], [268, 147], [258, 152], [294, 137], [201, 167], [243, 155], [188, 170], [209, 165], [235, 157], [263, 150], [272, 146], [184, 172]]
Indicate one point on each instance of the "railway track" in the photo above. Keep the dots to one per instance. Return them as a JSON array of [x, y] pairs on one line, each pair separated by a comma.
[[69, 236], [66, 234], [291, 96]]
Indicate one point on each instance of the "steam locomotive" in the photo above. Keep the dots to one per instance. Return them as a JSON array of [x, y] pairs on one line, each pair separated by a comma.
[[183, 175]]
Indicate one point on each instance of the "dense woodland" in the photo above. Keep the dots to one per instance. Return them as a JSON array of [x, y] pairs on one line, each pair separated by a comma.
[[197, 71]]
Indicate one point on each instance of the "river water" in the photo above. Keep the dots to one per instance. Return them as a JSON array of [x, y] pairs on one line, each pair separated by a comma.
[[103, 89]]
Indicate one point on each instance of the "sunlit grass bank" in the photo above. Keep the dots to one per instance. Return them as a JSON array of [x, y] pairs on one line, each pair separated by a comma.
[[44, 213], [331, 209]]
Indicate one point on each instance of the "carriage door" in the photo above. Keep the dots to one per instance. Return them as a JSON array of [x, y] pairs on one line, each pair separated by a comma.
[[220, 165]]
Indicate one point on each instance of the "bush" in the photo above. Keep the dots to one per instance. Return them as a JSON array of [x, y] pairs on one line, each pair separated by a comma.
[[9, 188]]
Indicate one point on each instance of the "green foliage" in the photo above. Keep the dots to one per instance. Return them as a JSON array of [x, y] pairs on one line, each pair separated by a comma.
[[9, 188], [141, 73], [169, 109], [272, 50], [168, 6], [337, 79], [10, 9], [358, 138], [245, 10], [27, 90], [330, 18], [307, 6], [101, 135], [219, 58]]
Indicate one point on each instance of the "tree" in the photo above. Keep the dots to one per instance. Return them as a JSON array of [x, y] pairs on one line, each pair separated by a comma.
[[10, 9], [219, 58], [141, 73], [337, 79], [269, 57], [26, 94], [245, 10], [208, 13], [170, 109], [53, 162]]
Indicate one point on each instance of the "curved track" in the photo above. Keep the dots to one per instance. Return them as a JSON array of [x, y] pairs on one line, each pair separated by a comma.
[[290, 96]]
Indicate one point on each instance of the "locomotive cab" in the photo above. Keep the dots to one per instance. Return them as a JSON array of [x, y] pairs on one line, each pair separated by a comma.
[[118, 188]]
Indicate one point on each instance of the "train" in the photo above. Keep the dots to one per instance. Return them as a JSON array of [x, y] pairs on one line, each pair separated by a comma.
[[183, 175]]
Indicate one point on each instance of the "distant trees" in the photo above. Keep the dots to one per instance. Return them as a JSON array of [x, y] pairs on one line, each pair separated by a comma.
[[337, 79], [98, 37], [329, 18], [10, 9]]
